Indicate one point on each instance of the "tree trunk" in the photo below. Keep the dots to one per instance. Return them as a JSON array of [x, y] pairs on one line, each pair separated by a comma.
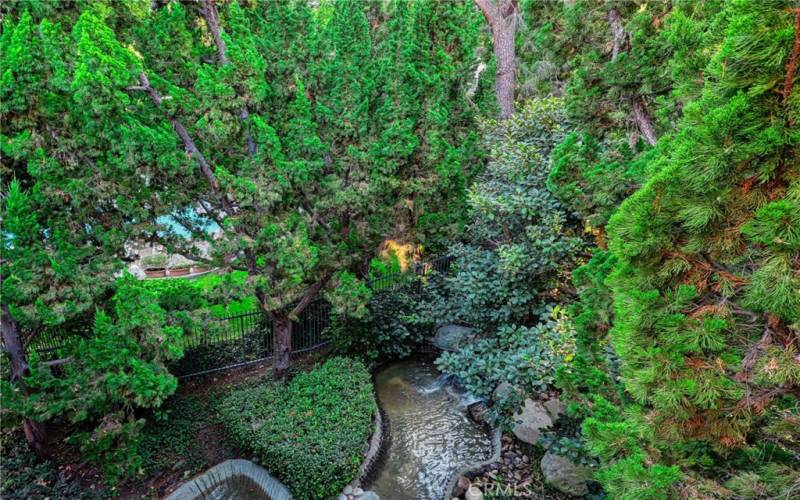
[[643, 121], [502, 18], [281, 344], [619, 36], [506, 70], [621, 43], [35, 432]]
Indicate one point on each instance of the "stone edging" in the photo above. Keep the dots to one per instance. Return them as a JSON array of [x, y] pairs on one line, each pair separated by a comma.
[[202, 485], [498, 449], [376, 449], [378, 439]]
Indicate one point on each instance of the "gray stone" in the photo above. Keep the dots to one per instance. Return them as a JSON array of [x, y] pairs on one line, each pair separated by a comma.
[[473, 493], [358, 491], [451, 337], [501, 391], [530, 421], [348, 490], [369, 495], [565, 475], [554, 407]]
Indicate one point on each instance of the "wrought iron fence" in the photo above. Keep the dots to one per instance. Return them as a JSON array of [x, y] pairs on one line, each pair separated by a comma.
[[246, 338]]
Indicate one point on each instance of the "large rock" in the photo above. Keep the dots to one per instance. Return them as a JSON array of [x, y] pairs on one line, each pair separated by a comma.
[[479, 413], [530, 421], [451, 337], [565, 475], [555, 408], [461, 487]]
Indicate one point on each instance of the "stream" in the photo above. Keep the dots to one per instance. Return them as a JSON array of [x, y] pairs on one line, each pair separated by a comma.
[[430, 434]]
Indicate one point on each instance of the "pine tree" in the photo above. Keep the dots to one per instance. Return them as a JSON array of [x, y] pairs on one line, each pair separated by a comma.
[[705, 283]]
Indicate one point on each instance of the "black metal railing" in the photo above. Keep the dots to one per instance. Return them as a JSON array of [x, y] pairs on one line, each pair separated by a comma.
[[246, 338]]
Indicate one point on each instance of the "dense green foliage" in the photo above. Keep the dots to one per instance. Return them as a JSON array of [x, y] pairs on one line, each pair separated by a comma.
[[391, 328], [517, 238], [203, 292], [517, 243], [310, 432], [667, 133], [24, 476], [119, 368], [291, 137], [524, 357], [685, 376]]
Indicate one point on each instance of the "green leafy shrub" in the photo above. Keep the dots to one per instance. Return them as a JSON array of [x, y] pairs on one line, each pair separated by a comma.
[[518, 237], [525, 357], [310, 432], [390, 329]]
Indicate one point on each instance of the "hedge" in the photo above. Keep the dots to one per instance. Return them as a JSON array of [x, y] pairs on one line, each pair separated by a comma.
[[310, 433]]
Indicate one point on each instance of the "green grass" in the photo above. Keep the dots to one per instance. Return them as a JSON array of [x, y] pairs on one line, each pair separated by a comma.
[[206, 283]]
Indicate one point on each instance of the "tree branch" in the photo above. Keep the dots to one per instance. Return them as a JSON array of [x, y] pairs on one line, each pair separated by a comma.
[[489, 11], [188, 143], [643, 121], [309, 296], [791, 66], [210, 14], [619, 36]]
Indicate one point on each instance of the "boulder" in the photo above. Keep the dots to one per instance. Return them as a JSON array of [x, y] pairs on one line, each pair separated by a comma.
[[478, 412], [555, 408], [473, 493], [530, 421], [461, 487], [451, 337], [565, 475], [369, 495]]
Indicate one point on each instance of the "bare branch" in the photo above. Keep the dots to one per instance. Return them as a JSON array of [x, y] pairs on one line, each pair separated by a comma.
[[791, 66], [188, 143]]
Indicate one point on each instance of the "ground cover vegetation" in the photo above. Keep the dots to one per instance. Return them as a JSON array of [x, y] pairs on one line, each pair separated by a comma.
[[310, 433]]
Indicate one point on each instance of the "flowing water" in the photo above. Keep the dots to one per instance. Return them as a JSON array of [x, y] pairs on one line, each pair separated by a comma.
[[430, 434]]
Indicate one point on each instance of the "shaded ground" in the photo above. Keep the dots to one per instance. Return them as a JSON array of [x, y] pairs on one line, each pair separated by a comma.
[[24, 476], [186, 436], [183, 438]]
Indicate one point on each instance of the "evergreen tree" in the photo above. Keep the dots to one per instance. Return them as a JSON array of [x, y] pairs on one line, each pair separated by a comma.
[[703, 277], [271, 133]]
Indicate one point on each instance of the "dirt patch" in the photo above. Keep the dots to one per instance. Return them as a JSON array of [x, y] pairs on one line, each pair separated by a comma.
[[240, 376]]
